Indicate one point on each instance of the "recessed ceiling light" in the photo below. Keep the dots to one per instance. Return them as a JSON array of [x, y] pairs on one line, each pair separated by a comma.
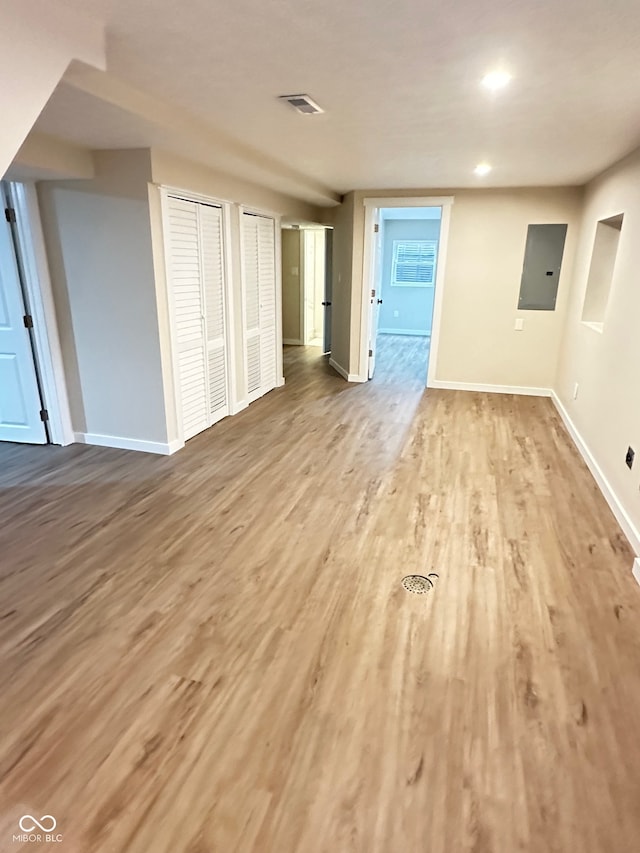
[[496, 80], [482, 169]]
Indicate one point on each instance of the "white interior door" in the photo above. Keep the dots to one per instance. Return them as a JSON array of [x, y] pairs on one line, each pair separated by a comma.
[[20, 404], [197, 277], [259, 283], [376, 291], [309, 284], [267, 277], [251, 283], [215, 314], [188, 314]]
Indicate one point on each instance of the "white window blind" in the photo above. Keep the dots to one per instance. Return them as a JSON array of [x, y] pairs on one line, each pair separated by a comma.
[[414, 263]]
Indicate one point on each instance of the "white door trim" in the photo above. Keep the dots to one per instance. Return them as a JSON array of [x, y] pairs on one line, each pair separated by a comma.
[[370, 206], [233, 403], [409, 201], [37, 280]]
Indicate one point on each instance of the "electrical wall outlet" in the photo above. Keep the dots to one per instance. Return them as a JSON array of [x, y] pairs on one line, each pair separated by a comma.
[[630, 457], [519, 324], [396, 313]]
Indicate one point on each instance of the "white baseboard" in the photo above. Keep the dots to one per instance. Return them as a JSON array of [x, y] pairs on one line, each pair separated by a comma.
[[350, 377], [280, 382], [636, 569], [628, 527], [339, 368], [165, 449], [491, 389], [292, 342], [416, 333]]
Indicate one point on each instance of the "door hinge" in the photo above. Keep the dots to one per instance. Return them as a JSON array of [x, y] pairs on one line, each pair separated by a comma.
[[9, 214], [28, 321], [376, 228], [370, 353], [373, 293], [44, 415]]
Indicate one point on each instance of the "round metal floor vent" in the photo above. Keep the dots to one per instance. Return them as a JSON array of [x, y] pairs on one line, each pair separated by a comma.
[[419, 584]]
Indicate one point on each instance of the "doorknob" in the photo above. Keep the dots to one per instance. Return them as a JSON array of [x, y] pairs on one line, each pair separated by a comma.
[[326, 303], [379, 301]]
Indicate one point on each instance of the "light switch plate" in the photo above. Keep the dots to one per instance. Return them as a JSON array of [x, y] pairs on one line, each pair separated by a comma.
[[519, 324]]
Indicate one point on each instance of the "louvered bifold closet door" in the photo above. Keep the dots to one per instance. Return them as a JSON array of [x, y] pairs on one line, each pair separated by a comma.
[[267, 280], [213, 277], [252, 301], [188, 310], [258, 233]]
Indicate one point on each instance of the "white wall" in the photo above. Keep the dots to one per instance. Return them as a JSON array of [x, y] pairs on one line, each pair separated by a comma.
[[604, 364], [37, 42], [98, 240]]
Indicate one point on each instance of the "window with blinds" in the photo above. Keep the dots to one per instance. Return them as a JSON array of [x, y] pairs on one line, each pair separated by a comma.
[[414, 263]]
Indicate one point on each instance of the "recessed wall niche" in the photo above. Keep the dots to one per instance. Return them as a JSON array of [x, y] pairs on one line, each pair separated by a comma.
[[603, 261]]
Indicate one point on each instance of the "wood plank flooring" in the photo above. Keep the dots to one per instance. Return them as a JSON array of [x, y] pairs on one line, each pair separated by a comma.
[[404, 359], [213, 652]]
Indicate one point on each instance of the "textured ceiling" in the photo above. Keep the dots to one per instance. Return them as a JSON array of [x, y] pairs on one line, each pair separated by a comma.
[[399, 82]]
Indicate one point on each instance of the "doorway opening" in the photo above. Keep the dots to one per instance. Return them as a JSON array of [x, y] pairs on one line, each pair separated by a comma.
[[306, 286], [34, 407], [22, 413], [403, 311], [404, 256]]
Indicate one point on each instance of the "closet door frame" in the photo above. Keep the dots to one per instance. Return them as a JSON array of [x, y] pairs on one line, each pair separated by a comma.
[[242, 209], [227, 256]]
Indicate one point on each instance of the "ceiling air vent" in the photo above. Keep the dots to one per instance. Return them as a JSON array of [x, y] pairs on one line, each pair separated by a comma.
[[302, 103]]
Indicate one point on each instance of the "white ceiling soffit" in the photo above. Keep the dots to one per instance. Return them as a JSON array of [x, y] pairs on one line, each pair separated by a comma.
[[400, 84], [100, 111]]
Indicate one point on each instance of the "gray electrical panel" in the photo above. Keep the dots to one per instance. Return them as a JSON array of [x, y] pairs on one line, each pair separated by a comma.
[[541, 270]]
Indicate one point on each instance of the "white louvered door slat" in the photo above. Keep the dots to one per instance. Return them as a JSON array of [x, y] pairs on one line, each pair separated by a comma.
[[196, 270], [260, 303], [267, 279], [252, 301], [188, 310], [212, 263]]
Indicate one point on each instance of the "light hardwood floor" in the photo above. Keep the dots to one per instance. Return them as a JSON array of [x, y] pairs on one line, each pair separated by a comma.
[[404, 359], [213, 652]]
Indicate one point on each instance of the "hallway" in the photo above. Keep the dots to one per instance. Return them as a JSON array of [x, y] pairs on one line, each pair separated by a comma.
[[213, 652]]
